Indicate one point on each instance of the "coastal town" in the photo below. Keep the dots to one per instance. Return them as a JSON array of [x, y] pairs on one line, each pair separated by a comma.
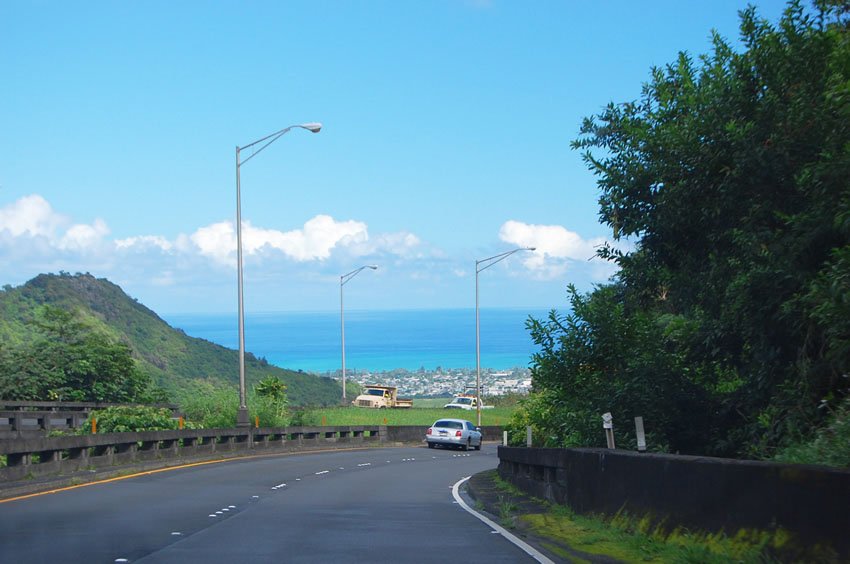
[[442, 382]]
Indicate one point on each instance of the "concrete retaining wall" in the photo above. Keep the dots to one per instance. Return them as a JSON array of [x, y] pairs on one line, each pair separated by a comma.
[[710, 494]]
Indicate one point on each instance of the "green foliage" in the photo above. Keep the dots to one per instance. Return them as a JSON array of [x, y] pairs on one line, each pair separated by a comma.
[[727, 324], [608, 357], [829, 446], [70, 360], [166, 356], [267, 411], [209, 404], [130, 419], [414, 416], [272, 391], [306, 418], [511, 399]]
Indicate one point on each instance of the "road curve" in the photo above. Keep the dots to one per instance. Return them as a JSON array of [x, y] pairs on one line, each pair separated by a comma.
[[372, 505]]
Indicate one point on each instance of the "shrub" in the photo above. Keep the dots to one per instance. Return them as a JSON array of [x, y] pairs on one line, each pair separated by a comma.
[[130, 419], [830, 445]]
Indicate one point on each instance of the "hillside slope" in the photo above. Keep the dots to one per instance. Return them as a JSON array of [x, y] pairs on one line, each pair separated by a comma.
[[170, 356]]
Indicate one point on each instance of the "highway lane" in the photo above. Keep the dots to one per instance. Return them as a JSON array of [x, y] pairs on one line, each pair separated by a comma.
[[375, 505]]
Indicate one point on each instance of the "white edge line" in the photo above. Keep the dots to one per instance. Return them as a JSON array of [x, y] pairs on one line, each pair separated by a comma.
[[524, 546]]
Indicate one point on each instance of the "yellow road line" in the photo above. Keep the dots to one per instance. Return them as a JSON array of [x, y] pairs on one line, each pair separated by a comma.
[[168, 468], [116, 479]]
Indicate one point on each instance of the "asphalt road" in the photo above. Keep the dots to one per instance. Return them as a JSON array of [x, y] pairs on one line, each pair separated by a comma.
[[375, 505]]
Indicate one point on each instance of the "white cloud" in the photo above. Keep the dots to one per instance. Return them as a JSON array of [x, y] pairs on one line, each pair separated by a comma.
[[35, 238], [31, 216], [316, 240], [216, 241], [144, 242], [556, 248], [83, 237], [401, 244]]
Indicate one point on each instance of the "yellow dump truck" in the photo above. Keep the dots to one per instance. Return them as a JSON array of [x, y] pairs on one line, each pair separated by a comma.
[[379, 397]]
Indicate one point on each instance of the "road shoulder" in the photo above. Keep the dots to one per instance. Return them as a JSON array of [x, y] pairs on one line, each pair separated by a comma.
[[505, 507]]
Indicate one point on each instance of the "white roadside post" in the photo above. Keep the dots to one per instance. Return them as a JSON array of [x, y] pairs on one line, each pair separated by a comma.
[[641, 436], [608, 425]]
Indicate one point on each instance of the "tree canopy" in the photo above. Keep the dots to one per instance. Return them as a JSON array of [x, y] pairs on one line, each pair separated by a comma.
[[71, 361], [727, 325]]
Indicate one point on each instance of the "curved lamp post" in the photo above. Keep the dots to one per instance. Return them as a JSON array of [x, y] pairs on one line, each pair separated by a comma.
[[343, 280], [242, 413], [487, 263]]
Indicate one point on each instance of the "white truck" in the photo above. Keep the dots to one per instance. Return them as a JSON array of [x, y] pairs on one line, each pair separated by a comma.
[[465, 401], [380, 397]]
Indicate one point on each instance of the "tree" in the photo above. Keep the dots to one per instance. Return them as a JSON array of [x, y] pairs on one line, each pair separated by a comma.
[[272, 390], [70, 361], [730, 177]]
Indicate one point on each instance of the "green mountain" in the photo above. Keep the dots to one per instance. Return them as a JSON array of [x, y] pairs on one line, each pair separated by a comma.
[[168, 355]]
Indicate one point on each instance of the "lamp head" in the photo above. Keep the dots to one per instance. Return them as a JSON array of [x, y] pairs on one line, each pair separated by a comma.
[[373, 266], [531, 248], [313, 126]]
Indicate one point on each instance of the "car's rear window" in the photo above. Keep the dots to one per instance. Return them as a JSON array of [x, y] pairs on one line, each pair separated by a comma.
[[449, 424]]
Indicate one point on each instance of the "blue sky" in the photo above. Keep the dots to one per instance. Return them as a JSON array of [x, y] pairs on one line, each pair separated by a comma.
[[446, 139]]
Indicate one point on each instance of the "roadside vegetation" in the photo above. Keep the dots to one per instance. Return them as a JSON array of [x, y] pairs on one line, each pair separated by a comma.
[[724, 184], [423, 416], [830, 445], [631, 539]]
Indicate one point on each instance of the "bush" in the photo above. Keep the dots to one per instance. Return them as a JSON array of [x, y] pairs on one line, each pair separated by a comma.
[[210, 404], [130, 419], [830, 445]]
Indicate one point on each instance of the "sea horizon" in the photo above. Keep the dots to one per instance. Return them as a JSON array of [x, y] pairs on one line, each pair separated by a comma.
[[375, 340]]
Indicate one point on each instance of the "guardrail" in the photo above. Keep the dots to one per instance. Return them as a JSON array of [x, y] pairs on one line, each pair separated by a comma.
[[7, 405], [702, 493], [35, 462], [20, 419], [28, 458]]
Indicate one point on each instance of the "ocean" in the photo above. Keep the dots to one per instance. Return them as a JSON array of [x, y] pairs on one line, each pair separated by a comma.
[[374, 340]]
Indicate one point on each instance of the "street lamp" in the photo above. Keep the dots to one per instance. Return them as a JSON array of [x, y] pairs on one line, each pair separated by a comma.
[[242, 413], [487, 262], [343, 280]]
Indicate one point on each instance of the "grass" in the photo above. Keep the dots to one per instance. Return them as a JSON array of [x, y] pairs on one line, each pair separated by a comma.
[[333, 416], [415, 416], [830, 445], [507, 509], [632, 539], [430, 402]]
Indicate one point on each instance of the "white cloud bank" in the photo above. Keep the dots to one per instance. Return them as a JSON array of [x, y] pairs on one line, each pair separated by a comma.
[[315, 241], [31, 223], [197, 267], [32, 216], [557, 248]]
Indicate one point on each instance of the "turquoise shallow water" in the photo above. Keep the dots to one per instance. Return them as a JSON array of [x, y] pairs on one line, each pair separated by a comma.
[[374, 340]]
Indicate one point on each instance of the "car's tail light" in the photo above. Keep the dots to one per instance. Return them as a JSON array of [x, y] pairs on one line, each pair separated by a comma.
[[458, 434], [428, 432]]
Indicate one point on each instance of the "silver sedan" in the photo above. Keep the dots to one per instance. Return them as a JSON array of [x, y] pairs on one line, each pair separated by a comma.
[[454, 432]]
